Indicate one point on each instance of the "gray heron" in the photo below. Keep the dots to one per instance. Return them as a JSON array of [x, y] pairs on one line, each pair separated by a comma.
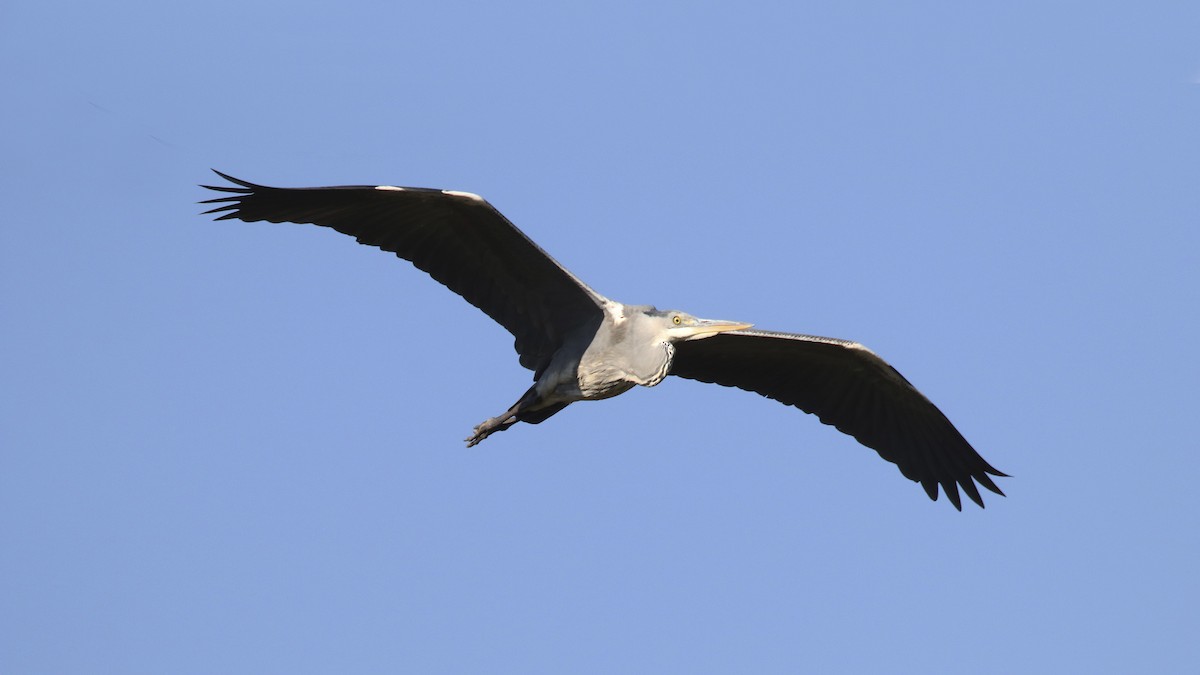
[[582, 346]]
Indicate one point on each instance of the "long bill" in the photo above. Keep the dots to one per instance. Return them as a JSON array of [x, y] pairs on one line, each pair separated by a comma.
[[709, 327]]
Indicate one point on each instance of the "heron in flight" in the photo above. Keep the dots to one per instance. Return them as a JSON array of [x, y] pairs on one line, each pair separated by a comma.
[[582, 346]]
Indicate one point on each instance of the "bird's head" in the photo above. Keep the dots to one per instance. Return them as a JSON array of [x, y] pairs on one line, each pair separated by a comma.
[[681, 326]]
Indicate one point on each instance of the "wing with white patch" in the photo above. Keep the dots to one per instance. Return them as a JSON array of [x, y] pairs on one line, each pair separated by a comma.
[[457, 237]]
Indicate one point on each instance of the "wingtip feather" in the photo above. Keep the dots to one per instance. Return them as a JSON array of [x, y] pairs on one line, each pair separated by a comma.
[[231, 179], [930, 488], [986, 481], [968, 487], [951, 489], [226, 188]]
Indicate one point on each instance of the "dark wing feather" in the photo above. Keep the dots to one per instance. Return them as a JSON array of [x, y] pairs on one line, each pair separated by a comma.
[[458, 238], [848, 386]]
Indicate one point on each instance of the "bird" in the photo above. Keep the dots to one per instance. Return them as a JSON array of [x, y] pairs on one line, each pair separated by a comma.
[[583, 346]]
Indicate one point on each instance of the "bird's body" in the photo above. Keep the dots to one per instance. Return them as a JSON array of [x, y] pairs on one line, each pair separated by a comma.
[[632, 345], [584, 346]]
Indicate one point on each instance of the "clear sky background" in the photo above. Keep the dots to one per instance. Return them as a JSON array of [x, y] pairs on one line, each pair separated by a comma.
[[236, 448]]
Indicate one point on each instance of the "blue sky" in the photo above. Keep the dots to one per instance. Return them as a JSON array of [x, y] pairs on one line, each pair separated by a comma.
[[233, 447]]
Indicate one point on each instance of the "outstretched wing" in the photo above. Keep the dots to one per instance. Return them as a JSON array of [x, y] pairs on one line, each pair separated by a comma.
[[457, 237], [846, 385]]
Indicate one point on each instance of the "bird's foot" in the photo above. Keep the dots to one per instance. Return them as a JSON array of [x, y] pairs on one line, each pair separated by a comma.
[[483, 430]]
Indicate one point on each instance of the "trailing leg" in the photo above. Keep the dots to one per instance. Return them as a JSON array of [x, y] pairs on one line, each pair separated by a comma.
[[493, 424], [530, 408]]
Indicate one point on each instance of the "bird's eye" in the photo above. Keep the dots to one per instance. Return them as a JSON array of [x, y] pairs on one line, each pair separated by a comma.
[[676, 320]]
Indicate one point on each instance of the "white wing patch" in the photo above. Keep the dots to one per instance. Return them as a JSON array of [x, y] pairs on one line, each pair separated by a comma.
[[466, 195], [847, 344], [393, 188], [615, 310], [860, 346]]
